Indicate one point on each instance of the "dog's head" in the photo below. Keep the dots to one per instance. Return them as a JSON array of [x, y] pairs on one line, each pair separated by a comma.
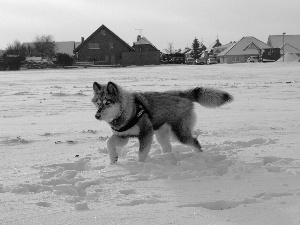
[[107, 100]]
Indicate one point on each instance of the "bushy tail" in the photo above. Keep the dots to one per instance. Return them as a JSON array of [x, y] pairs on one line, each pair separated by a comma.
[[208, 97]]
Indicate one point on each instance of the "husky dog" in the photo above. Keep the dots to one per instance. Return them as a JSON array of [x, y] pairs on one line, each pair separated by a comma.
[[143, 114]]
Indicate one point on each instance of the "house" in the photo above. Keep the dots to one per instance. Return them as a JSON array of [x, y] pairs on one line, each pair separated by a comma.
[[103, 47], [287, 48], [219, 49], [142, 44], [241, 50], [291, 43], [145, 53], [212, 46]]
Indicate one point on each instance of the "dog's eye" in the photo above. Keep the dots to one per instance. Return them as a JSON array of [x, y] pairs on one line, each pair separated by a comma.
[[97, 102], [107, 101]]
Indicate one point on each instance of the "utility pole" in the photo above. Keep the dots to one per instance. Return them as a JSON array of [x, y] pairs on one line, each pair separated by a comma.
[[283, 45]]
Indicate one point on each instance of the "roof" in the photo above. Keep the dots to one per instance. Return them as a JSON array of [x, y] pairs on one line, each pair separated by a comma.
[[221, 48], [97, 31], [66, 46], [143, 41], [61, 46], [245, 46], [186, 51], [213, 45], [288, 48], [277, 40]]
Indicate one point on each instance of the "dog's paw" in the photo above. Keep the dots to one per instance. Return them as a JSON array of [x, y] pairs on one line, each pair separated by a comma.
[[142, 156], [114, 160]]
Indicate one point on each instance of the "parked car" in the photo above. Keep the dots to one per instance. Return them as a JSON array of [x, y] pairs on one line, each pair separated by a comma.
[[190, 61], [252, 59], [201, 61], [212, 61]]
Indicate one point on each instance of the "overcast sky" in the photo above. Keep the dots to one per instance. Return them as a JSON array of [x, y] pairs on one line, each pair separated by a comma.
[[162, 21]]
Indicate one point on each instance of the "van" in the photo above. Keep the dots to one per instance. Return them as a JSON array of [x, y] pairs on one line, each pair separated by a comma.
[[212, 61], [252, 59], [190, 61]]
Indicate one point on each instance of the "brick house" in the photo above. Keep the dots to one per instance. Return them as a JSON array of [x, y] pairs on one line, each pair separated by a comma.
[[142, 44], [103, 46], [145, 53]]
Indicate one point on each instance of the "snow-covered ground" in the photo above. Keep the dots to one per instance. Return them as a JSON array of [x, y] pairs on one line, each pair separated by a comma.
[[54, 167]]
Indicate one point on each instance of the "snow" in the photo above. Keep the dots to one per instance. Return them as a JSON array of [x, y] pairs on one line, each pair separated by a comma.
[[55, 169], [289, 57]]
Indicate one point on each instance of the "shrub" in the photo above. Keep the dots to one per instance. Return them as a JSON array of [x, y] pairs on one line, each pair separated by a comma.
[[13, 55], [12, 62], [63, 59]]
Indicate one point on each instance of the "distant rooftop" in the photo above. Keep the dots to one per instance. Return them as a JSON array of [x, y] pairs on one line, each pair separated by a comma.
[[277, 40], [143, 41]]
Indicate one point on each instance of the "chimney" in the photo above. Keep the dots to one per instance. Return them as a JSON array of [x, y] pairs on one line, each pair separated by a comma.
[[139, 37], [82, 39]]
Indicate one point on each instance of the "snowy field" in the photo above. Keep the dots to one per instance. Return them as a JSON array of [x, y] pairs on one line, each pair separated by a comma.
[[54, 167]]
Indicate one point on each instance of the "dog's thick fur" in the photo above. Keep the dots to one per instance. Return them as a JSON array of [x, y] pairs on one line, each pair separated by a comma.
[[163, 114]]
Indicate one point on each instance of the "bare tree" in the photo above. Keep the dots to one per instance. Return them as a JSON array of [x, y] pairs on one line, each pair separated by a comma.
[[170, 49], [16, 49], [44, 46]]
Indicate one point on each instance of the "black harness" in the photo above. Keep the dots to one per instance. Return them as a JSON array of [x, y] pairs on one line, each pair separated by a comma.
[[140, 111]]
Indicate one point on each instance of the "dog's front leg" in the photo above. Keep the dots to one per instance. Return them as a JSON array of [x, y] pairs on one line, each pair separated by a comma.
[[145, 145], [112, 143]]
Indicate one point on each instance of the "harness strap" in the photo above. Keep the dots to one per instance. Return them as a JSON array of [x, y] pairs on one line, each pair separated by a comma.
[[140, 112]]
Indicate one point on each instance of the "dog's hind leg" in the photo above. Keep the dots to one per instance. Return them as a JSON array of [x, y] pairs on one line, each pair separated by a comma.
[[163, 138], [183, 132], [112, 143], [186, 138]]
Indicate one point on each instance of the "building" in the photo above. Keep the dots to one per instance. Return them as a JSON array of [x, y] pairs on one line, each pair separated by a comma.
[[142, 44], [212, 46], [103, 47], [219, 49], [145, 53], [240, 51], [291, 43]]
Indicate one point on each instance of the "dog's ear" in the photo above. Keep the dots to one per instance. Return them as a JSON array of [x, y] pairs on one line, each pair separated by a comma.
[[96, 87], [112, 88]]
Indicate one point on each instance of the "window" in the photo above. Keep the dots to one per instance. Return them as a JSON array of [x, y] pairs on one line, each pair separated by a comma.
[[236, 59], [94, 46], [111, 45], [102, 32]]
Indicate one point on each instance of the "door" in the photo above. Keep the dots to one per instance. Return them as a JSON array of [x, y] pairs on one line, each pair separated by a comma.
[[112, 59]]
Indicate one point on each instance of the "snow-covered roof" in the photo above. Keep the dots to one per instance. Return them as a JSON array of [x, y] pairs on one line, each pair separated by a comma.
[[277, 40], [143, 41], [243, 47], [213, 45], [288, 48]]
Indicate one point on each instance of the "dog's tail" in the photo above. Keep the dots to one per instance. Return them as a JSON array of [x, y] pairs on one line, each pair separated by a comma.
[[208, 97]]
